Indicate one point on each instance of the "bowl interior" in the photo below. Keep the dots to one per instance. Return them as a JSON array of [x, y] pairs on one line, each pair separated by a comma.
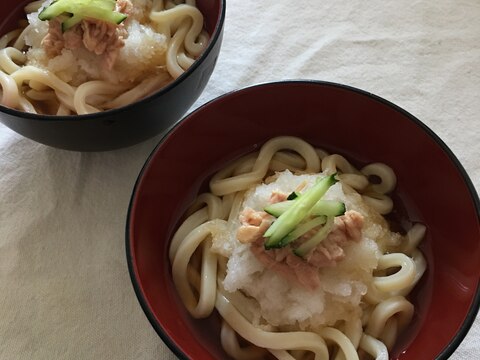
[[432, 189]]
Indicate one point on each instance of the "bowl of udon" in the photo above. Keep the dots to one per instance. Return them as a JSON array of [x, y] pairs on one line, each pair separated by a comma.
[[94, 75], [305, 220]]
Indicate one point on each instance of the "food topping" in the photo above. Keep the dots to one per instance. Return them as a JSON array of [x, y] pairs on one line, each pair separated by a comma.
[[95, 25], [74, 11], [304, 270], [299, 233], [296, 213]]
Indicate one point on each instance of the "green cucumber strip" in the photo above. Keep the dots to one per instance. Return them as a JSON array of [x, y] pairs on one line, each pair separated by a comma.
[[52, 11], [328, 208], [59, 7], [279, 208], [102, 10], [287, 222], [322, 207], [302, 229], [313, 242]]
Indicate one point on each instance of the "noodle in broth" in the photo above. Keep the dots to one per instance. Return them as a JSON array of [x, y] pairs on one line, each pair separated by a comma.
[[158, 41], [359, 305]]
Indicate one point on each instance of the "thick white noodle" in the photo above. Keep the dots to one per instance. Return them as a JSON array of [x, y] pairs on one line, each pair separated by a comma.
[[383, 204], [194, 220], [188, 36], [341, 340], [228, 338], [175, 47], [401, 279], [356, 181], [27, 73], [37, 85], [270, 340], [90, 88], [10, 58], [19, 43], [414, 236], [321, 153], [281, 354], [348, 174], [387, 177], [8, 37], [180, 13], [204, 305], [221, 186], [374, 347], [10, 95], [335, 162], [41, 95], [283, 160], [390, 333], [63, 110], [353, 330], [140, 91], [420, 267], [26, 105], [395, 306]]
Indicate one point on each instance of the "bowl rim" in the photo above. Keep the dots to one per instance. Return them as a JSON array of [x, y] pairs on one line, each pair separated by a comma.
[[470, 316], [217, 32]]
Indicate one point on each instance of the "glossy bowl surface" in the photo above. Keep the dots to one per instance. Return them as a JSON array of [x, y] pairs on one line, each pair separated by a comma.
[[433, 188], [130, 124]]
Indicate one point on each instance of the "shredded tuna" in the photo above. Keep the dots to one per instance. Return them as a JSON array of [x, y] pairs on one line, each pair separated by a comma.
[[253, 225], [73, 39], [54, 42], [346, 228], [103, 38], [124, 6], [304, 271], [288, 265], [100, 37]]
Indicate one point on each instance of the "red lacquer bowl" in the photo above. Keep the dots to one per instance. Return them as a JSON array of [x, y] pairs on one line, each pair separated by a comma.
[[433, 188]]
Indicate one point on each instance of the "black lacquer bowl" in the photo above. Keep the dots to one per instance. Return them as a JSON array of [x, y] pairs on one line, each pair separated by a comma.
[[130, 124]]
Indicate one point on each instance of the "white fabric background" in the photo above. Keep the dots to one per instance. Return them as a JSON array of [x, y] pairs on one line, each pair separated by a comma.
[[65, 292]]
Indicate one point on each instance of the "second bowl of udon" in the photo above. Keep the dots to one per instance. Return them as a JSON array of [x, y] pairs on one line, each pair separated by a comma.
[[305, 220], [101, 75]]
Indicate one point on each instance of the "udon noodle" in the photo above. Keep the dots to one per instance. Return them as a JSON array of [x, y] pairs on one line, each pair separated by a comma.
[[154, 45], [358, 303]]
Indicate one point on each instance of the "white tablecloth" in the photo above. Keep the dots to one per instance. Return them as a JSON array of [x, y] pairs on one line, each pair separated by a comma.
[[65, 292]]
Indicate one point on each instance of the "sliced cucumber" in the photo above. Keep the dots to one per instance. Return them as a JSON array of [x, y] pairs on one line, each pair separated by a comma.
[[300, 209], [314, 241], [302, 229], [322, 207], [102, 10], [328, 208], [279, 208]]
